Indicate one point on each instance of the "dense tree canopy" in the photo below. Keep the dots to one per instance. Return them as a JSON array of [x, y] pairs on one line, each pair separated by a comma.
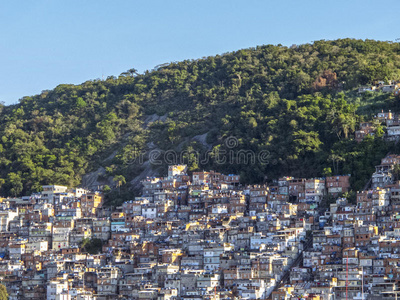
[[297, 104]]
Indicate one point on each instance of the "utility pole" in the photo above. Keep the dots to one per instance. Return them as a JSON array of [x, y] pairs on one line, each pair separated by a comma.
[[362, 282], [347, 275]]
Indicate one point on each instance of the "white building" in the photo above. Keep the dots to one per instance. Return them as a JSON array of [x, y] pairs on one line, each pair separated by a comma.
[[6, 217], [49, 191], [219, 209], [149, 211], [55, 288]]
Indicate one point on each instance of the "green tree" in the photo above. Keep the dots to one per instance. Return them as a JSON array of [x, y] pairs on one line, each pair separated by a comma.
[[120, 180], [3, 292], [327, 172], [92, 246], [335, 159], [396, 172], [106, 189], [15, 182]]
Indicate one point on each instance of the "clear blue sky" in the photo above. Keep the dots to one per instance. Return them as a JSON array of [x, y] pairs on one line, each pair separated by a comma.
[[47, 42]]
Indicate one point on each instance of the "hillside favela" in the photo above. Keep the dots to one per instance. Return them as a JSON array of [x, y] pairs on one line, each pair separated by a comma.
[[270, 172]]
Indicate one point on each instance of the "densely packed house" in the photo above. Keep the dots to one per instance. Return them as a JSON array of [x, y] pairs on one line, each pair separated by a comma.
[[204, 235]]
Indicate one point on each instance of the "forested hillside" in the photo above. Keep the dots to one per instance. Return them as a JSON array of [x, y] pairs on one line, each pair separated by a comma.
[[297, 104]]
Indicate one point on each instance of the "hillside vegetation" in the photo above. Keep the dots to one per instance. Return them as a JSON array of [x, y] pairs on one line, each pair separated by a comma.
[[296, 104]]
